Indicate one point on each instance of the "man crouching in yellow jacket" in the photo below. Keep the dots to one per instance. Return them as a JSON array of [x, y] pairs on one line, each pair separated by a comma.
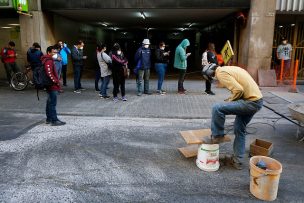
[[246, 99]]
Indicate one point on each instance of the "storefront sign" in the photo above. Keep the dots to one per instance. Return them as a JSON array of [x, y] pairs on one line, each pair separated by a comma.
[[6, 4], [21, 5], [227, 52]]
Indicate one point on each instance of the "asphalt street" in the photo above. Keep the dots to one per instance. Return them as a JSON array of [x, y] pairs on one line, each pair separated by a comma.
[[127, 151]]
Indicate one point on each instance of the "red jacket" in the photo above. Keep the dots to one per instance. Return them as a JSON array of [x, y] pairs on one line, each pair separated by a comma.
[[8, 58], [49, 68]]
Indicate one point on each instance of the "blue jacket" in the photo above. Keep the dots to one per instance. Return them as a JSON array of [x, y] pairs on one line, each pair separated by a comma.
[[143, 58], [64, 54], [34, 56]]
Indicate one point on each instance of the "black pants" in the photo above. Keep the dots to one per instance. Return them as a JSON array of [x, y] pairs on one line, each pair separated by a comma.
[[118, 82], [64, 72], [208, 86], [10, 68], [181, 79]]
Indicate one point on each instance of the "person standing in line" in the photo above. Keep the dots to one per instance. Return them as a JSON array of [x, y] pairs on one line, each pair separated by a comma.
[[143, 61], [9, 55], [180, 62], [209, 56], [246, 99], [33, 56], [52, 91], [118, 64], [77, 59], [105, 73], [64, 52], [58, 62], [97, 69], [284, 53], [162, 60]]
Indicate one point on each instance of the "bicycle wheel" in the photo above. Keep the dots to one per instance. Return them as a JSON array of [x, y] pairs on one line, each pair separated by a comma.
[[19, 81]]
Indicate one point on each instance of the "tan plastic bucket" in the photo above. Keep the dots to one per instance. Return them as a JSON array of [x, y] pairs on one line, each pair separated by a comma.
[[264, 183]]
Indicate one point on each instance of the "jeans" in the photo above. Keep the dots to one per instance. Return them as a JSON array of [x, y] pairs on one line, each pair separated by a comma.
[[161, 70], [64, 72], [9, 68], [58, 70], [104, 85], [244, 111], [181, 79], [50, 110], [97, 78], [143, 75], [77, 76]]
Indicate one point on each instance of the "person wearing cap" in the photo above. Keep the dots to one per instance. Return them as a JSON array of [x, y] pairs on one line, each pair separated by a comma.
[[246, 99], [180, 62], [142, 69], [284, 53]]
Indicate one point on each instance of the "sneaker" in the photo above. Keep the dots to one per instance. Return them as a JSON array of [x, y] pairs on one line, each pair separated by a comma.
[[82, 89], [163, 91], [148, 93], [105, 97], [124, 99], [139, 94], [115, 99], [97, 90], [77, 91], [57, 123], [159, 92], [47, 121], [181, 92], [209, 92], [236, 163], [184, 90]]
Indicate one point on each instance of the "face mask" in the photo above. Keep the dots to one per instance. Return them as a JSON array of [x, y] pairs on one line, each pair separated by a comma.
[[284, 42], [81, 48], [162, 48], [118, 52], [55, 56], [146, 46]]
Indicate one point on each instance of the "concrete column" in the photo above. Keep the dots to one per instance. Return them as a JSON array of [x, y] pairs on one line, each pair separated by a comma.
[[256, 38], [38, 28]]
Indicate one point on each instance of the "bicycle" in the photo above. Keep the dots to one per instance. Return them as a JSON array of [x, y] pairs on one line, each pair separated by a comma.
[[21, 80]]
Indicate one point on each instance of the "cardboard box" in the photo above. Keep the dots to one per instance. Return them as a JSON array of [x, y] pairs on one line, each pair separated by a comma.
[[261, 147]]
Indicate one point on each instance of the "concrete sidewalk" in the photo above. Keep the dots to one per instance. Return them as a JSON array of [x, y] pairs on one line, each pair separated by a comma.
[[127, 151]]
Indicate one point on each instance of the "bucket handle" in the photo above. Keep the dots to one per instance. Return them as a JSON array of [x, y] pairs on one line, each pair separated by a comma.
[[255, 178]]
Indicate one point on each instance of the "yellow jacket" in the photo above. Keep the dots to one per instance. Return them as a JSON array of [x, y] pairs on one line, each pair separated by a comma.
[[239, 82]]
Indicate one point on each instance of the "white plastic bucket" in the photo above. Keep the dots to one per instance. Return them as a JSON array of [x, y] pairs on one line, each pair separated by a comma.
[[208, 157]]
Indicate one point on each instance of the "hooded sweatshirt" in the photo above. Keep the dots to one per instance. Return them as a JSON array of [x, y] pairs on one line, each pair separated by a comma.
[[180, 59], [34, 56], [49, 68]]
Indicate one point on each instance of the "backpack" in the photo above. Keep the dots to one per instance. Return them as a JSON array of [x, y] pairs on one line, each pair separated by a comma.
[[40, 79], [3, 54]]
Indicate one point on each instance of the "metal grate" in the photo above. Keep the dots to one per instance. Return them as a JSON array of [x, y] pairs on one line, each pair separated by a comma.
[[290, 5], [288, 32]]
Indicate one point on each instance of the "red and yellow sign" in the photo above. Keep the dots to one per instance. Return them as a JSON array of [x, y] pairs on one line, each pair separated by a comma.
[[227, 52]]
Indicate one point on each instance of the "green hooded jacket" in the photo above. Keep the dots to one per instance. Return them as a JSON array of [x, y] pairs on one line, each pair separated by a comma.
[[180, 59]]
